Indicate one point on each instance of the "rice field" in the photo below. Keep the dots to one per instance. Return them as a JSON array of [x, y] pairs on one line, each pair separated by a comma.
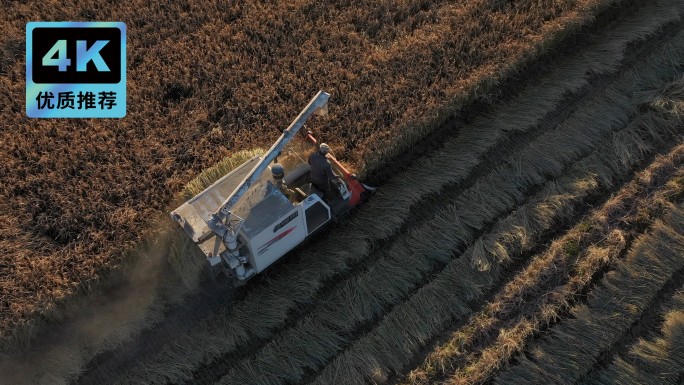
[[187, 117], [617, 302], [530, 230], [656, 357]]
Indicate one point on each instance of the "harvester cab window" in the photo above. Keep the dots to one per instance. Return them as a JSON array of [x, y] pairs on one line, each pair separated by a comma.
[[316, 216]]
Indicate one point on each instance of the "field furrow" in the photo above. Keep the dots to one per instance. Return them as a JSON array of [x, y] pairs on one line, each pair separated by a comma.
[[367, 296], [359, 303], [656, 359], [477, 349], [301, 283], [376, 355], [568, 351]]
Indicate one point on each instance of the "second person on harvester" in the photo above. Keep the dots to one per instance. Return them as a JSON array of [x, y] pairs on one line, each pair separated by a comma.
[[322, 175]]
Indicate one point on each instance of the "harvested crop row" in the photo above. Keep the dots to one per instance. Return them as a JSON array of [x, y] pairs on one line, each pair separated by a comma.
[[355, 303], [657, 360], [318, 265], [553, 280], [568, 351], [378, 353], [360, 301]]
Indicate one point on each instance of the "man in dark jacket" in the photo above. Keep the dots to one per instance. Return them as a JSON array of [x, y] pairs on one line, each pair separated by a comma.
[[322, 174]]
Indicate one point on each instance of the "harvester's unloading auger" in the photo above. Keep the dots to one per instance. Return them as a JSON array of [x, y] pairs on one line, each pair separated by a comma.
[[247, 220]]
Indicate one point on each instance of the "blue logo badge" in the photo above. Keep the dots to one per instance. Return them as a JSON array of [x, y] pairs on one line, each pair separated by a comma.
[[75, 69]]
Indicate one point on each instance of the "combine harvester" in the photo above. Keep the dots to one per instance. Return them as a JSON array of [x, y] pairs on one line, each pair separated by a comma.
[[249, 219]]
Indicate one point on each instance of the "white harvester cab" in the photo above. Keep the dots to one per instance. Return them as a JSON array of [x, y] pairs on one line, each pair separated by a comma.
[[258, 212]]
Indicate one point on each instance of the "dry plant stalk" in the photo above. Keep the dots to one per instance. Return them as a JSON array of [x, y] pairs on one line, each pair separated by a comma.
[[55, 243], [320, 264], [560, 273]]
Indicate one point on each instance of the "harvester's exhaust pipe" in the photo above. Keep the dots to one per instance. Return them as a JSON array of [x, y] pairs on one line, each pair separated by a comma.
[[278, 172]]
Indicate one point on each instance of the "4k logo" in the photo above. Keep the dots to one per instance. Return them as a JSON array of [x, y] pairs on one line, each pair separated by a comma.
[[75, 70]]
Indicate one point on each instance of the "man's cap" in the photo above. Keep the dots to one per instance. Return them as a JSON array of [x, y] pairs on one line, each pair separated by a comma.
[[324, 148]]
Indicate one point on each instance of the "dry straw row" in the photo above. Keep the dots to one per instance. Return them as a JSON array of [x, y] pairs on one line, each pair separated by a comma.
[[569, 350], [657, 359], [463, 349], [318, 265], [380, 353], [591, 244], [357, 302]]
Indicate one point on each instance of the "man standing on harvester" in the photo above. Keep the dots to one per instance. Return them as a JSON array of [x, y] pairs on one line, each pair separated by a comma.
[[322, 175]]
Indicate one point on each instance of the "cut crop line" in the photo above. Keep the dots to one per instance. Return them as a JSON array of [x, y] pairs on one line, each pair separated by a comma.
[[657, 360], [361, 302], [389, 281], [568, 351], [434, 362], [319, 265], [647, 82], [452, 353], [371, 358], [604, 237], [479, 366]]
